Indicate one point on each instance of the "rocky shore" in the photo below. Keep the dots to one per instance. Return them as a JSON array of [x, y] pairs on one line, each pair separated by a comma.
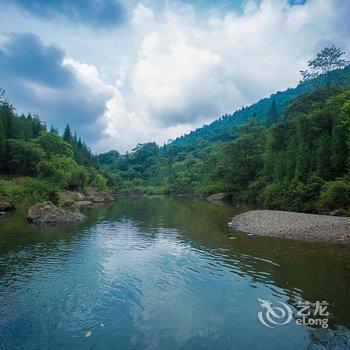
[[5, 207], [310, 227], [92, 197], [48, 213], [67, 210]]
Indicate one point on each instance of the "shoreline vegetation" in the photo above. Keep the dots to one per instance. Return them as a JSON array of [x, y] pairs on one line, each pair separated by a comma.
[[300, 162], [289, 152]]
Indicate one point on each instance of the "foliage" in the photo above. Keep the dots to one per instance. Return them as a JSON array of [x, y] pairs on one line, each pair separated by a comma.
[[28, 149], [284, 163], [21, 157], [335, 195], [63, 171], [53, 144], [325, 62], [24, 191]]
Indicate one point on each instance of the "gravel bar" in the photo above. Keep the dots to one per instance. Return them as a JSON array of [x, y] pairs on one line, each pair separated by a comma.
[[310, 227]]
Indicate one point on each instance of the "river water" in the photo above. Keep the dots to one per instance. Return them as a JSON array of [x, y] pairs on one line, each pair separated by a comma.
[[166, 273]]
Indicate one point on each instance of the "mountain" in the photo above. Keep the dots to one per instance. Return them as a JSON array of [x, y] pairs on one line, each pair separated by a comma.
[[290, 151], [224, 128]]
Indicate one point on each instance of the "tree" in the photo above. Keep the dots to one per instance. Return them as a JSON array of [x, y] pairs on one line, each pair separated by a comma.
[[21, 157], [272, 115], [63, 171], [54, 129], [325, 62], [67, 135], [2, 143], [53, 144]]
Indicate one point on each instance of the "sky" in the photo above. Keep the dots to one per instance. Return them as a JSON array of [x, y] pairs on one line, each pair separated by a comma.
[[128, 72]]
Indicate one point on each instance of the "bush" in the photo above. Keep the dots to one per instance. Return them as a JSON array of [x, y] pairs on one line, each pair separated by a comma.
[[21, 157], [64, 172], [24, 191], [53, 144], [275, 196], [335, 195], [96, 179]]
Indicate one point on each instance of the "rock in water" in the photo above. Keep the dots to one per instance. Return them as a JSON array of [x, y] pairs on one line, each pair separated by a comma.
[[48, 213], [5, 205], [219, 197], [95, 199]]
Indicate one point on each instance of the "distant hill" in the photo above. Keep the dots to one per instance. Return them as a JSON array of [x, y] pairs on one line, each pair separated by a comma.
[[223, 129]]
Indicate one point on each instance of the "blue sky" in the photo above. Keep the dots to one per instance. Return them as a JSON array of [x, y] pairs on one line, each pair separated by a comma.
[[124, 72]]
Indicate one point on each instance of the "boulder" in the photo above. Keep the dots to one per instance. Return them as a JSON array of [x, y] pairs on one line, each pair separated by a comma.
[[97, 196], [219, 197], [71, 196], [95, 199], [84, 204], [48, 213], [5, 205], [70, 205]]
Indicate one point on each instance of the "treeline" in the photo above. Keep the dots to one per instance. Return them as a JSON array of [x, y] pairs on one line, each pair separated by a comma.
[[297, 159], [35, 162], [300, 163]]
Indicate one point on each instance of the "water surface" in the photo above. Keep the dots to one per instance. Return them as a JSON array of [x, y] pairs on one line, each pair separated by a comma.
[[163, 273]]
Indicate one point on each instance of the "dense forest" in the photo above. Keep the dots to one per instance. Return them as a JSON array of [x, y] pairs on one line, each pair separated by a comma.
[[36, 162], [290, 151]]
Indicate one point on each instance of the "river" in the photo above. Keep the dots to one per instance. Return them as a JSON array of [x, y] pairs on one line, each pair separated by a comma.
[[165, 273]]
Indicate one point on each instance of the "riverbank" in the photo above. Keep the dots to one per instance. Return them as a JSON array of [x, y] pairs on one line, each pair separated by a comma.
[[300, 226]]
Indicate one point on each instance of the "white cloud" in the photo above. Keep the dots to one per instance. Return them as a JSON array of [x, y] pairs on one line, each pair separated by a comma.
[[187, 71], [176, 66]]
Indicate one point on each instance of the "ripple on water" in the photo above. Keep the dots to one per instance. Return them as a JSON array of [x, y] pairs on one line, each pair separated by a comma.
[[157, 278]]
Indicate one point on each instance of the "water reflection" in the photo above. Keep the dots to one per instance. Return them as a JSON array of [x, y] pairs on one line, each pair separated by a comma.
[[162, 272]]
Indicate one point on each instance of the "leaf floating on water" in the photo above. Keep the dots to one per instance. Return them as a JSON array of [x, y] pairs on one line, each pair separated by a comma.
[[88, 334]]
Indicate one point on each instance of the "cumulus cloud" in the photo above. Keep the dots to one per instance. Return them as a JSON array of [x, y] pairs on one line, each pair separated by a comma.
[[91, 12], [24, 56], [41, 79], [187, 70], [181, 66]]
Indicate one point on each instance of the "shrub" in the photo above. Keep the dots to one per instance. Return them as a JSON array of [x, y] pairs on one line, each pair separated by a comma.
[[275, 196], [64, 172], [96, 179], [53, 144], [24, 191], [335, 195], [21, 157]]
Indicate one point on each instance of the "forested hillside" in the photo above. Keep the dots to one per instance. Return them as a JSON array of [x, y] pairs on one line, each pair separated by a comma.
[[35, 162], [290, 151], [224, 127]]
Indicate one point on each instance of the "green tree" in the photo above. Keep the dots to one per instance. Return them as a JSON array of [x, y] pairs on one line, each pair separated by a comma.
[[325, 62], [64, 171], [272, 115], [54, 129], [21, 157], [53, 144], [335, 195], [2, 143], [67, 134]]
